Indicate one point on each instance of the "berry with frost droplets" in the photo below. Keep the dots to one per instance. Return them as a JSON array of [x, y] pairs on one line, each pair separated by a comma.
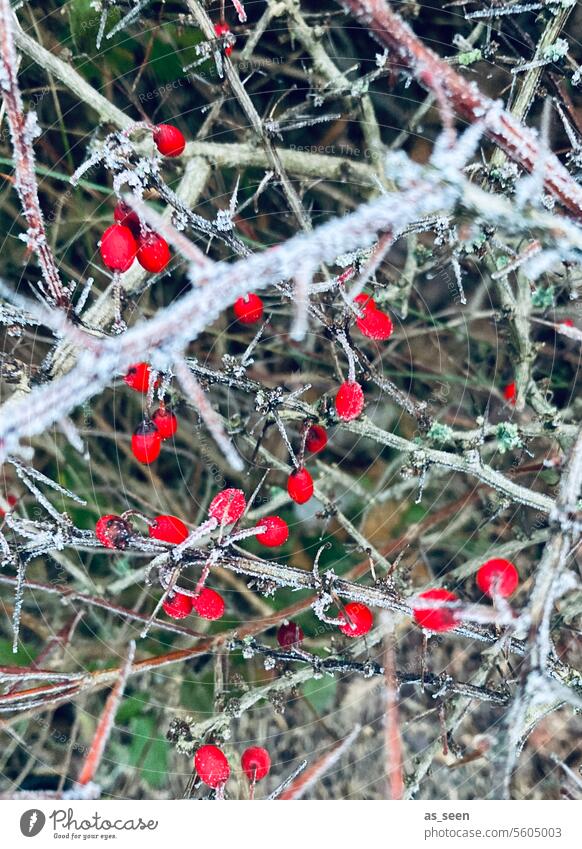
[[228, 506], [300, 486], [436, 618], [209, 604], [256, 763], [357, 620], [497, 577], [349, 401], [138, 377], [166, 422], [212, 766], [510, 392], [177, 605], [275, 531], [118, 247], [290, 634], [113, 532], [146, 442], [249, 309], [153, 252], [373, 323], [168, 529], [222, 28], [316, 439], [169, 140]]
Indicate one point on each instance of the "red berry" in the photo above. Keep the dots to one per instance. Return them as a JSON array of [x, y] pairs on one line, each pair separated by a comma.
[[436, 618], [146, 442], [228, 506], [497, 577], [567, 322], [125, 215], [169, 140], [11, 500], [316, 439], [256, 763], [349, 401], [290, 634], [118, 247], [153, 252], [138, 377], [177, 605], [209, 604], [212, 766], [113, 532], [221, 29], [374, 323], [168, 529], [510, 392], [166, 422], [361, 619], [300, 486], [249, 309], [275, 531]]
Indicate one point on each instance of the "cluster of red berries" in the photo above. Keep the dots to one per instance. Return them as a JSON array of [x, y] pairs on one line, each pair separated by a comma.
[[146, 442], [213, 768], [495, 578], [228, 506]]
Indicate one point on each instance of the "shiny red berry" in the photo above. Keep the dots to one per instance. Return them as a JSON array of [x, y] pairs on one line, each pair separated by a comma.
[[316, 439], [437, 618], [212, 766], [222, 28], [357, 620], [497, 577], [169, 140], [166, 422], [113, 532], [177, 605], [168, 529], [275, 531], [290, 634], [249, 309], [146, 442], [300, 486], [567, 322], [256, 763], [228, 506], [138, 377], [209, 604], [118, 247], [125, 215], [349, 401], [153, 252], [373, 323], [12, 501], [510, 392]]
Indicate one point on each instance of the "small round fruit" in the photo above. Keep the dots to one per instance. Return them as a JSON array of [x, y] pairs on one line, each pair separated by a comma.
[[153, 252], [11, 501], [349, 401], [118, 247], [113, 532], [497, 577], [125, 215], [228, 506], [168, 529], [138, 377], [222, 28], [316, 439], [510, 392], [212, 766], [169, 140], [357, 621], [436, 618], [373, 323], [209, 604], [249, 309], [567, 322], [290, 634], [256, 763], [300, 486], [166, 422], [146, 442], [275, 531], [177, 605]]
